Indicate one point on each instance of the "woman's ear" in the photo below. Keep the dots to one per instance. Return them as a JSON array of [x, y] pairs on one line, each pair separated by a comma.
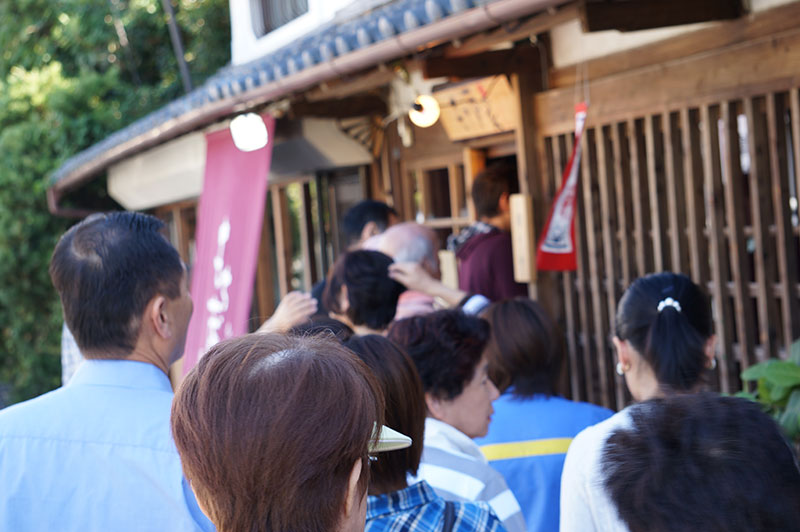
[[623, 352], [710, 349], [435, 406], [352, 500]]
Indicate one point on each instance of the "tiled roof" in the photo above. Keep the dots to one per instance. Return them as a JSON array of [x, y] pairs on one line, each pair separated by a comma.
[[331, 41]]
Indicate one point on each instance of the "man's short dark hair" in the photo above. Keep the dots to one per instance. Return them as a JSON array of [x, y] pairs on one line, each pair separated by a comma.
[[361, 214], [371, 294], [490, 184], [702, 462], [106, 269], [446, 346], [405, 407]]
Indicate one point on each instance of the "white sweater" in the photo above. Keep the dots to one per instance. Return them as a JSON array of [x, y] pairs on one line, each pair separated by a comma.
[[585, 505]]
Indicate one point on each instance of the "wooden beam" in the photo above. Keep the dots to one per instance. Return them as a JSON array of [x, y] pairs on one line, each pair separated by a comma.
[[718, 35], [481, 64], [633, 15], [351, 85], [759, 66], [351, 106], [511, 33]]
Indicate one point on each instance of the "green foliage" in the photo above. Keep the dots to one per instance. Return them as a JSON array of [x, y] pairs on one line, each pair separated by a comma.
[[71, 73], [778, 390]]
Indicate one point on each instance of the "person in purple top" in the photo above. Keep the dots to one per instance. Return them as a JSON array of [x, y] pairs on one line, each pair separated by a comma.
[[485, 262]]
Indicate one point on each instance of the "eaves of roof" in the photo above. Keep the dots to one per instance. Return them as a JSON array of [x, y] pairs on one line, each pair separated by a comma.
[[395, 30]]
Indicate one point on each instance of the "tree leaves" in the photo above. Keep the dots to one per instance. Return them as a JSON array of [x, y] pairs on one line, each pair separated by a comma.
[[71, 73]]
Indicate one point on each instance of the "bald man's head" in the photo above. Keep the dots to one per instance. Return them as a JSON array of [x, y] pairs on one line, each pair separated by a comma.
[[411, 242]]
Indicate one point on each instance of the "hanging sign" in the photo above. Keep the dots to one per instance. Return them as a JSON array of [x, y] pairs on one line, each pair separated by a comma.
[[229, 222], [557, 244]]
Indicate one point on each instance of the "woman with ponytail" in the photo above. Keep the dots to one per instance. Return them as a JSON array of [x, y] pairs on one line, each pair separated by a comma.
[[664, 342]]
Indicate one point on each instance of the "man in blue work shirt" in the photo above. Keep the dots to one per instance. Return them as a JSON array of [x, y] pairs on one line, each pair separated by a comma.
[[97, 454]]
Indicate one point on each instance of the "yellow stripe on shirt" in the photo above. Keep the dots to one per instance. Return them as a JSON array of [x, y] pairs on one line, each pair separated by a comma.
[[520, 449]]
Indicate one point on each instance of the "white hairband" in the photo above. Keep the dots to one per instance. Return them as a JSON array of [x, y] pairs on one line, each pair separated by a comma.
[[669, 302]]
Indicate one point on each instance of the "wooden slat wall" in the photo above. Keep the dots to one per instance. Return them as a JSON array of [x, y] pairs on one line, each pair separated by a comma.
[[668, 191]]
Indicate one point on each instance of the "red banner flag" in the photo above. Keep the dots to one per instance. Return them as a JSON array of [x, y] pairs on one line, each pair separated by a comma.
[[229, 222], [556, 249]]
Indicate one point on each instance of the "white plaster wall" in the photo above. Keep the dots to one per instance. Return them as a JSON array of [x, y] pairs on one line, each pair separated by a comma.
[[245, 46], [165, 174], [572, 46]]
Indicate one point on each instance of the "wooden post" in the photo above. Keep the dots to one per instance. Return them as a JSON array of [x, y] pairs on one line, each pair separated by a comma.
[[455, 180], [608, 222], [307, 238], [265, 289], [474, 163], [775, 197], [693, 189], [655, 169], [734, 206], [719, 274], [283, 238], [637, 168]]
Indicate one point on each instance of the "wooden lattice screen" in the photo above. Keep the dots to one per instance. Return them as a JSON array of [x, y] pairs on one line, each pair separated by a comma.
[[710, 190]]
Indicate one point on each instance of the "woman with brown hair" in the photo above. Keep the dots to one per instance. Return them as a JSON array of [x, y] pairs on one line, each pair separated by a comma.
[[393, 504], [275, 433], [532, 425]]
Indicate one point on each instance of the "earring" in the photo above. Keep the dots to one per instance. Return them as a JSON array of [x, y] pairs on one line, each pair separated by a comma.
[[620, 369], [713, 364]]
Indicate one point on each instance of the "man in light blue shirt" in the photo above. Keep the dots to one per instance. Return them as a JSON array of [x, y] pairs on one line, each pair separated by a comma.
[[97, 454]]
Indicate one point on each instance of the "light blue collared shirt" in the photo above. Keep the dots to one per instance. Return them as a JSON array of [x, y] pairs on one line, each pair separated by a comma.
[[96, 455]]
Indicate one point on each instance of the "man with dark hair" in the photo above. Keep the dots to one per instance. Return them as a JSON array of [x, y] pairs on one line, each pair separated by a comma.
[[365, 219], [360, 292], [485, 261], [702, 462], [97, 454]]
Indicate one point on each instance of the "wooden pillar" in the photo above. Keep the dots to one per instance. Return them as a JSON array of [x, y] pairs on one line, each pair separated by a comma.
[[283, 238], [265, 288], [474, 163], [530, 168]]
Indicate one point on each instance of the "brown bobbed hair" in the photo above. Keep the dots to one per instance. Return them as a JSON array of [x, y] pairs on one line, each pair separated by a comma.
[[405, 408], [268, 428], [525, 349]]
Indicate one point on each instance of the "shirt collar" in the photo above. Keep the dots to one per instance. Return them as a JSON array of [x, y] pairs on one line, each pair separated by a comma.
[[448, 438], [121, 374], [399, 501]]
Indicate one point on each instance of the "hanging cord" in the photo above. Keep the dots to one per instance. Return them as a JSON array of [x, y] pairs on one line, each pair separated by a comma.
[[581, 81]]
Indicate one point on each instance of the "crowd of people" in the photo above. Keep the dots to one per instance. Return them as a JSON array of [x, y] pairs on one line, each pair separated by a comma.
[[383, 400]]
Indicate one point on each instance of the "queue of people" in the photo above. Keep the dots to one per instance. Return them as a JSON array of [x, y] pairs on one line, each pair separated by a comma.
[[447, 416]]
